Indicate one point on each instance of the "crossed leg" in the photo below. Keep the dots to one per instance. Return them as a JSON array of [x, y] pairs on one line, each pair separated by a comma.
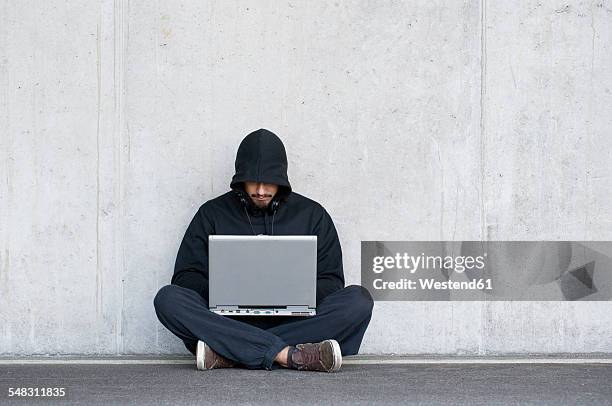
[[343, 315]]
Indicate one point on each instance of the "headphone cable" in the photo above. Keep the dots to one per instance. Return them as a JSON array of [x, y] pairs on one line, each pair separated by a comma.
[[249, 218], [273, 214]]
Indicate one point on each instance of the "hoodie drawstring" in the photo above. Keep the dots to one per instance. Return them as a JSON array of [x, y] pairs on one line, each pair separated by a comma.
[[265, 222]]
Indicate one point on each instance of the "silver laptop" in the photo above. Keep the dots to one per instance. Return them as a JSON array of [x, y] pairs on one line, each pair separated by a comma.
[[262, 275]]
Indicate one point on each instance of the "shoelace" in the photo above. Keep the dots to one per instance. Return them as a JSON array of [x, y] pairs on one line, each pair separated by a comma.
[[309, 354]]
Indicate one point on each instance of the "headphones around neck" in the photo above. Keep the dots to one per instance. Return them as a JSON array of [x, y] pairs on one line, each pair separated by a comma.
[[272, 208]]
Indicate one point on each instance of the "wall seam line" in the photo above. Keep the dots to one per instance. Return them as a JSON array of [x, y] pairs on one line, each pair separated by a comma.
[[483, 226]]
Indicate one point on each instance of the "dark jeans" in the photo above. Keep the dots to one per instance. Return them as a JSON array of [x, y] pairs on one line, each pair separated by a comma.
[[254, 341]]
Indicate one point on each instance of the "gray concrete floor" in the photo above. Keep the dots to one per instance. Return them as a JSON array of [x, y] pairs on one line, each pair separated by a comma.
[[473, 384]]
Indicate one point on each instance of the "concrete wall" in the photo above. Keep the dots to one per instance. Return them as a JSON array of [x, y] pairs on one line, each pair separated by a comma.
[[406, 120]]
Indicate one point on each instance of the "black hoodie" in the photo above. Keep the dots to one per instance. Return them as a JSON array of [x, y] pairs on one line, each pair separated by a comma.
[[261, 157]]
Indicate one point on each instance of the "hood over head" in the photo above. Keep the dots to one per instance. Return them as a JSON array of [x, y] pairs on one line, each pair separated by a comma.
[[261, 157]]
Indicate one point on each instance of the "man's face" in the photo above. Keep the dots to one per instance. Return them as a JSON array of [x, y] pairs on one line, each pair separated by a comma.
[[260, 193]]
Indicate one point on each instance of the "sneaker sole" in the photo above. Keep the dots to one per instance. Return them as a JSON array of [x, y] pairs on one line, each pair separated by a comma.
[[337, 355], [200, 356]]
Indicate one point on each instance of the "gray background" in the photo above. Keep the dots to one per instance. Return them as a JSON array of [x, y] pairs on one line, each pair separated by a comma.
[[406, 120]]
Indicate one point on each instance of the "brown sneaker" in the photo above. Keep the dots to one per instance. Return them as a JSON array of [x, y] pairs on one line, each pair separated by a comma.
[[206, 358], [324, 356]]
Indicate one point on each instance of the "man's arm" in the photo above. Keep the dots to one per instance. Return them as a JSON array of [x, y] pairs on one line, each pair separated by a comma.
[[191, 266], [330, 274]]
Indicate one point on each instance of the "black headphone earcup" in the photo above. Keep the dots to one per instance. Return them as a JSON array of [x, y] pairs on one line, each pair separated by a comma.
[[242, 198], [274, 205]]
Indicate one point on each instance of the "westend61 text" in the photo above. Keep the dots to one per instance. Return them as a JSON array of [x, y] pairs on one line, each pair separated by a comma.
[[431, 284]]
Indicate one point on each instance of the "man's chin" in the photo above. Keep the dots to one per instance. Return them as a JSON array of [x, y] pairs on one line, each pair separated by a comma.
[[261, 205]]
